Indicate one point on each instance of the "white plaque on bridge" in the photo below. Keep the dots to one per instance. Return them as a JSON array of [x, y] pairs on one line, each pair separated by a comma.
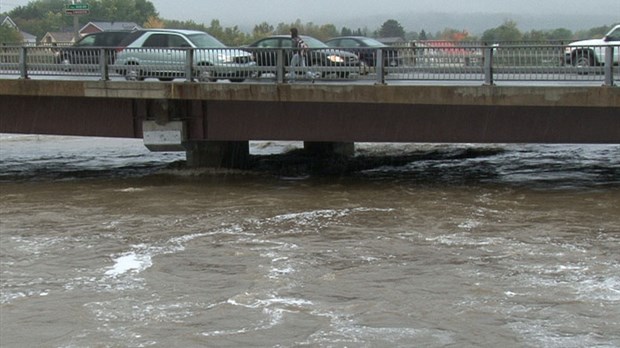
[[164, 137]]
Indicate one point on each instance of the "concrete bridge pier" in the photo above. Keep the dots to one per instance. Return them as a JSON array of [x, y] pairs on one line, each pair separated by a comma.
[[217, 154], [324, 148], [236, 154]]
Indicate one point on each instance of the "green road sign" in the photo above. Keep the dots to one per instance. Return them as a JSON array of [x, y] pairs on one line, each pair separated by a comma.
[[77, 7]]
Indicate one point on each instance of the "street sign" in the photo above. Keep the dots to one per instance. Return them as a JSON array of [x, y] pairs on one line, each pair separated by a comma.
[[77, 9]]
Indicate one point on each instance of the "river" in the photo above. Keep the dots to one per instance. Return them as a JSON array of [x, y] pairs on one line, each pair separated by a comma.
[[104, 244]]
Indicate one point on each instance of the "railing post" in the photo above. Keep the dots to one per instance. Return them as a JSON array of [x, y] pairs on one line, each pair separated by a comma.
[[23, 68], [488, 65], [103, 65], [189, 65], [379, 67], [609, 66], [280, 66]]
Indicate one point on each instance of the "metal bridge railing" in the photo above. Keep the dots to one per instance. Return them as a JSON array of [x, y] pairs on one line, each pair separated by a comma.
[[438, 62]]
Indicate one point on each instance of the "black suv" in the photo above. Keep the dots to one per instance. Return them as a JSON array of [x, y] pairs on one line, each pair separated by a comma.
[[86, 50]]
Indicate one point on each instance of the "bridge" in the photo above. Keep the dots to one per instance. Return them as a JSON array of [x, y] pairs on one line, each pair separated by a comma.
[[214, 122]]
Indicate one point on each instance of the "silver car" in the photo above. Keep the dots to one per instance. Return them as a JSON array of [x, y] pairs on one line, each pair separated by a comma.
[[588, 53], [163, 54]]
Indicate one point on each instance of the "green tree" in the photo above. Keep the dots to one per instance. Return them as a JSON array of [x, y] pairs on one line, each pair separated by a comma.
[[597, 32], [391, 28], [216, 29], [9, 35], [327, 31], [508, 31], [262, 30], [560, 34], [233, 37], [191, 25], [535, 35], [137, 11], [41, 16]]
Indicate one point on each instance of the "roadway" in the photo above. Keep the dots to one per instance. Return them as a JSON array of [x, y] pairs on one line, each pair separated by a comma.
[[438, 79]]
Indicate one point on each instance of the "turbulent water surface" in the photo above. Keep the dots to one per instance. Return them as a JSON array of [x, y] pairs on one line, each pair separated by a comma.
[[103, 244]]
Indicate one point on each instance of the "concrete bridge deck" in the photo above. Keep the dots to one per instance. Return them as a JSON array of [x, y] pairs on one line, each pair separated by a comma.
[[220, 113]]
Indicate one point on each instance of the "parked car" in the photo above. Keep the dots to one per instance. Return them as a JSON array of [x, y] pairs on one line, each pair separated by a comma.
[[588, 53], [366, 49], [87, 49], [162, 53], [320, 55]]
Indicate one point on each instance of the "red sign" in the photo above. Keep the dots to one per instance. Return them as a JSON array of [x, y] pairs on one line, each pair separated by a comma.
[[75, 12]]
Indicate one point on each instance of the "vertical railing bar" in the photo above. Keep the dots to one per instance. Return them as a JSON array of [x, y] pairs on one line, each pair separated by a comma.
[[609, 66], [189, 64], [103, 65], [23, 69], [488, 66], [379, 67], [280, 66]]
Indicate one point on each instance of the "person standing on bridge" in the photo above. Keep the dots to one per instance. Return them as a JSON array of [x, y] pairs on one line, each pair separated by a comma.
[[300, 50]]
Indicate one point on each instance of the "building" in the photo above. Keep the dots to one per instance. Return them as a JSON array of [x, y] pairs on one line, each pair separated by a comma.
[[27, 38], [8, 22], [96, 27], [57, 38]]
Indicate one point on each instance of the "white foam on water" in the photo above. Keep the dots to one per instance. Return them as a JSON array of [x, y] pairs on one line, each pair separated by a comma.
[[309, 216], [600, 289], [131, 189], [141, 258], [130, 263], [250, 300], [272, 307], [463, 239], [469, 224]]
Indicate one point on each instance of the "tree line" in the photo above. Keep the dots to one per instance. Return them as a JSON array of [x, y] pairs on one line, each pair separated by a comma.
[[41, 16]]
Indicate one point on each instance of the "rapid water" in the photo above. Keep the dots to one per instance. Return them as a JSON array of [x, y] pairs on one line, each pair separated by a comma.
[[104, 244]]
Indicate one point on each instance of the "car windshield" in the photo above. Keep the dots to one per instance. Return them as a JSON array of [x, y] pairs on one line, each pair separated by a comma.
[[372, 42], [314, 43], [86, 41], [205, 41], [613, 35]]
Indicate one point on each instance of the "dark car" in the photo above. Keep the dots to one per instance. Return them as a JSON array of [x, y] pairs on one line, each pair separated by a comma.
[[87, 49], [320, 55], [366, 48]]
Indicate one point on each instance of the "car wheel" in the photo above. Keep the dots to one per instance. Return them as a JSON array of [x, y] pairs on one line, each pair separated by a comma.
[[65, 61], [166, 79], [133, 73], [583, 59], [203, 75], [315, 70], [364, 68]]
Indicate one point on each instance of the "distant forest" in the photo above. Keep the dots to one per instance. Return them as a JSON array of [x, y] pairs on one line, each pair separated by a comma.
[[41, 16]]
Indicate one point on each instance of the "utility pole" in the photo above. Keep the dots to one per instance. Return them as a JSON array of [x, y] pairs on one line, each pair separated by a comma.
[[76, 9]]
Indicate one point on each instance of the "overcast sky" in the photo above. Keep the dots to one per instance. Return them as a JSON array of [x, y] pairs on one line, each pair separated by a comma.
[[459, 14]]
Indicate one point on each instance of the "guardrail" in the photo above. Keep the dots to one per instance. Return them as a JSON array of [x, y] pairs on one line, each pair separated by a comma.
[[487, 64]]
